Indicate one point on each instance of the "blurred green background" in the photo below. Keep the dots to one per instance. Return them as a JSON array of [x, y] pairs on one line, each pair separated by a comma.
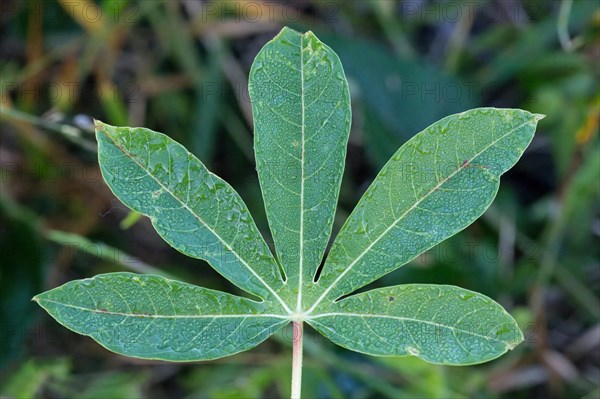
[[181, 67]]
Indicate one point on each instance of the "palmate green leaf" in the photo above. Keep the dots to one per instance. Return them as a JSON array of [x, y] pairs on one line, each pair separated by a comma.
[[301, 107], [152, 317], [438, 323], [437, 184]]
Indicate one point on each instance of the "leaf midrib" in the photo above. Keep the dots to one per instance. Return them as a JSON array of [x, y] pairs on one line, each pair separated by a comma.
[[268, 287], [162, 316], [371, 315], [301, 259], [461, 167]]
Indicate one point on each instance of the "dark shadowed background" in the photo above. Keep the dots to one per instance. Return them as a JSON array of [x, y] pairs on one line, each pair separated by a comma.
[[181, 67]]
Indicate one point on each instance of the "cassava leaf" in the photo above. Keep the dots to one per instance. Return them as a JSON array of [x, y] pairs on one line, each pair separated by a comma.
[[438, 323], [434, 186], [437, 184], [301, 107], [195, 211], [152, 317]]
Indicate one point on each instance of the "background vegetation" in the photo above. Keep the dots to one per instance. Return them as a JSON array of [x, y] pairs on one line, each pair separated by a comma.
[[181, 67]]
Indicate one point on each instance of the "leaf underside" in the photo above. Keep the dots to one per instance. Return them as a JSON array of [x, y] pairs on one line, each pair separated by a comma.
[[438, 323], [301, 107], [152, 317], [437, 184]]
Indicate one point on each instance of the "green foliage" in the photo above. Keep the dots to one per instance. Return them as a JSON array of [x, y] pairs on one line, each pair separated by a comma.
[[302, 121], [153, 317], [27, 381], [438, 323], [195, 211], [21, 279], [36, 378], [437, 184]]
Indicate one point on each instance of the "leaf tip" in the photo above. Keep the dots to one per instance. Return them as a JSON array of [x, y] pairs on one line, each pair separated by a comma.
[[286, 30], [510, 345], [513, 343], [538, 117], [98, 125]]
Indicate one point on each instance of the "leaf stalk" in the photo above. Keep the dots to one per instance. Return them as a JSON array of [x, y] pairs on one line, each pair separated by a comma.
[[297, 359]]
